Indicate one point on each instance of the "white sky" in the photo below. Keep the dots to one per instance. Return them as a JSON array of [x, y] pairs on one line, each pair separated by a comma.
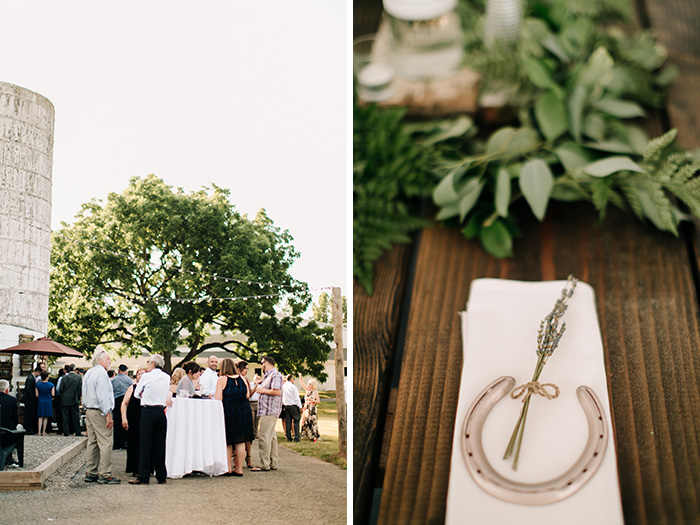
[[249, 95]]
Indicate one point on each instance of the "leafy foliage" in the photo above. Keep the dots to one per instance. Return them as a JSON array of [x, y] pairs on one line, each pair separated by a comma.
[[577, 83], [392, 162], [119, 271], [323, 311]]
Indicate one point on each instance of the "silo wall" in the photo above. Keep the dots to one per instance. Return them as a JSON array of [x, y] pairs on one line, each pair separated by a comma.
[[26, 159]]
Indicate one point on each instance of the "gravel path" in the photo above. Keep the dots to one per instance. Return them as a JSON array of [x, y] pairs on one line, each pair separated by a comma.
[[38, 449], [304, 490]]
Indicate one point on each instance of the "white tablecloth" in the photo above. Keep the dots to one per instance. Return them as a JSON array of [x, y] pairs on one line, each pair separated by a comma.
[[196, 439]]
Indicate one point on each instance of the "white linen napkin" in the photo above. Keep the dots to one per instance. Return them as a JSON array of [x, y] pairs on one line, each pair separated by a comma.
[[499, 337]]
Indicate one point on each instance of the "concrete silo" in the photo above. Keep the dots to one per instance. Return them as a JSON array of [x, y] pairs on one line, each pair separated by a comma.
[[26, 159]]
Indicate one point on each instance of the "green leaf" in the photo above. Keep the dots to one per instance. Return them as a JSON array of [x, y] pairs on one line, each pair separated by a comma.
[[497, 240], [619, 108], [445, 193], [551, 116], [572, 156], [447, 212], [502, 192], [468, 196], [539, 75], [508, 142], [569, 193], [473, 227], [610, 165], [453, 129], [612, 146], [498, 142], [598, 69], [594, 127], [576, 105], [536, 183]]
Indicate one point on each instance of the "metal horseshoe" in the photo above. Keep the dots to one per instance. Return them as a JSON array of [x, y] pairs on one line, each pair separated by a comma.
[[544, 492]]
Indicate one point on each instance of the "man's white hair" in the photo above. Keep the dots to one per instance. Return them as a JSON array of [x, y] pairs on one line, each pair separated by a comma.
[[158, 360], [98, 357], [4, 385]]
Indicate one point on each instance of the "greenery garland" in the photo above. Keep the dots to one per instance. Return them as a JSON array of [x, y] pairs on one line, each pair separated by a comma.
[[578, 83]]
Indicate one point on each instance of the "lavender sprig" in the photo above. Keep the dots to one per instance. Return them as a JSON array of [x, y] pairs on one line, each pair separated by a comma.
[[548, 337]]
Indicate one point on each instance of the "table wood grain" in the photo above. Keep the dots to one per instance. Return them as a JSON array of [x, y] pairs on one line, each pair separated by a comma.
[[647, 300]]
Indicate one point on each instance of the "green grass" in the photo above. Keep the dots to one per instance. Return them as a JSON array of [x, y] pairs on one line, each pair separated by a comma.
[[326, 448]]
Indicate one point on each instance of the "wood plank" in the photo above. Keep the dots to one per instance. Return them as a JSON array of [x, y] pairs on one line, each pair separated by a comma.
[[649, 320], [375, 324], [675, 23], [60, 458]]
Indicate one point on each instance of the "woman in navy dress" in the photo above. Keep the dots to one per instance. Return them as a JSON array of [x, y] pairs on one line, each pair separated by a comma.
[[233, 391], [44, 409]]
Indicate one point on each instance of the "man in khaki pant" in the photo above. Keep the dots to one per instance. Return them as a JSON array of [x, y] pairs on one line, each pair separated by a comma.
[[98, 399], [269, 408]]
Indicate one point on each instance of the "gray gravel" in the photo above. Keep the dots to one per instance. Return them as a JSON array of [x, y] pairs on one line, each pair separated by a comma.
[[38, 449], [303, 490]]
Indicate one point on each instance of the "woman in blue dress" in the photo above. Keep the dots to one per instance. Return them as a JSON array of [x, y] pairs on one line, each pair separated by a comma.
[[44, 393], [233, 391]]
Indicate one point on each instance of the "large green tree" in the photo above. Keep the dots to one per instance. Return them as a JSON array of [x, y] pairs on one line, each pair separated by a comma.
[[157, 268]]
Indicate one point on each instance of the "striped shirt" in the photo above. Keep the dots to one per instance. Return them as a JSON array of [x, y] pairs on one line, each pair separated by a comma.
[[270, 405]]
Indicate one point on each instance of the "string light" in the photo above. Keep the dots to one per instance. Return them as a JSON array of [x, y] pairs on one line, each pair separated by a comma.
[[236, 280], [166, 300]]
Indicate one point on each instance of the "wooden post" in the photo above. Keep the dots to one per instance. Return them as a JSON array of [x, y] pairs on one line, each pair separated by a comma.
[[339, 370]]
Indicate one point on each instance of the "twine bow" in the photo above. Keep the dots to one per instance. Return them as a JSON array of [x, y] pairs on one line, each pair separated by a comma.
[[535, 387]]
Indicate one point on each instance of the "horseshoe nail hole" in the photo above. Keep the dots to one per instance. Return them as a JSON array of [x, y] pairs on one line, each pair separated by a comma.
[[595, 454], [569, 483], [470, 454], [601, 436], [467, 436], [585, 470], [600, 418], [478, 471]]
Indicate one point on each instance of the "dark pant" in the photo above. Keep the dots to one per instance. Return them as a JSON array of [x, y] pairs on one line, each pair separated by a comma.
[[292, 413], [71, 419], [58, 413], [30, 419], [119, 432], [152, 443]]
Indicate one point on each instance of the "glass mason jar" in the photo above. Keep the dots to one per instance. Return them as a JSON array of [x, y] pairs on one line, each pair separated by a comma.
[[425, 38]]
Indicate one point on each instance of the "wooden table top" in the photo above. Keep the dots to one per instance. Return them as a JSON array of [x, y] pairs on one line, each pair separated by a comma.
[[407, 338]]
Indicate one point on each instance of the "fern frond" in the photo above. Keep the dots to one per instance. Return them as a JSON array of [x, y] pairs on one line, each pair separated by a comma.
[[656, 147]]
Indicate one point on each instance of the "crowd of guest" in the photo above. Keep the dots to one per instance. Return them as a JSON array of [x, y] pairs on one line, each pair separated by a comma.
[[121, 413]]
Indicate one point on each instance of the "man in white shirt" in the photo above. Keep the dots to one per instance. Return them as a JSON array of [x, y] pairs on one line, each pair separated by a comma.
[[98, 400], [154, 392], [291, 405], [208, 379]]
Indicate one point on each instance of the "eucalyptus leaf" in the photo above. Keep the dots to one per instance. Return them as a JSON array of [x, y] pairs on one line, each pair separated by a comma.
[[598, 70], [569, 193], [551, 116], [497, 240], [579, 32], [502, 192], [538, 74], [610, 165], [456, 128], [536, 182], [445, 192], [612, 146], [498, 142], [619, 108], [468, 196], [572, 156], [447, 212], [594, 127], [575, 106]]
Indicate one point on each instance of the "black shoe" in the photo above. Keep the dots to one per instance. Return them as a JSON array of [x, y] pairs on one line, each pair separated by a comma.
[[90, 478], [162, 482], [108, 481]]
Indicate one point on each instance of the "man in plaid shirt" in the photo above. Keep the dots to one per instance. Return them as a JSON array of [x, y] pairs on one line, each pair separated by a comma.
[[269, 409]]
